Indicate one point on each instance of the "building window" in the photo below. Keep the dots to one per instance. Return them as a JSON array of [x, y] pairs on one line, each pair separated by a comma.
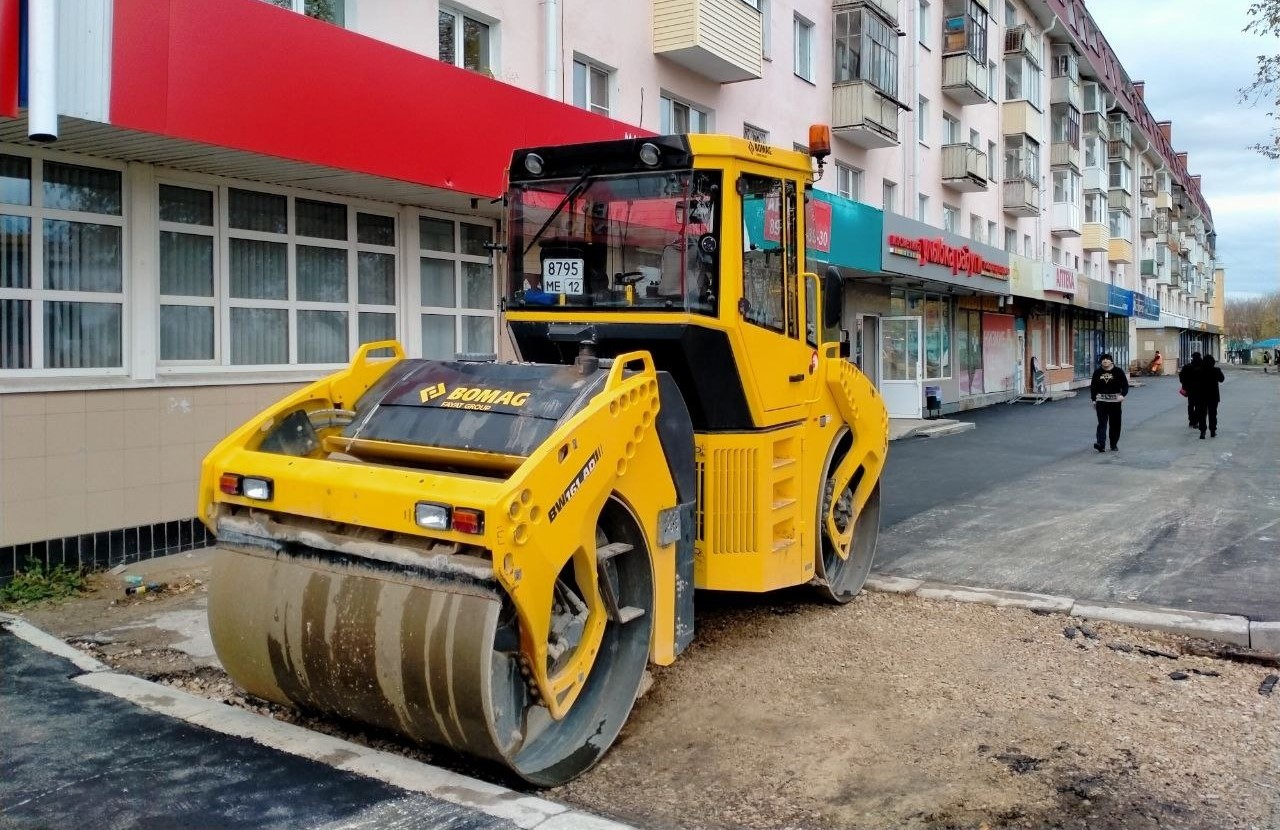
[[465, 41], [991, 81], [1065, 123], [1095, 151], [866, 49], [766, 40], [1121, 225], [922, 23], [1026, 245], [922, 208], [330, 11], [592, 86], [1011, 240], [950, 129], [1066, 187], [754, 133], [61, 265], [964, 29], [803, 35], [922, 120], [1010, 14], [1120, 176], [679, 117], [993, 231], [848, 182], [993, 174], [890, 196], [950, 216], [1021, 158], [969, 352], [459, 309], [937, 337], [1022, 80], [1095, 208], [975, 228]]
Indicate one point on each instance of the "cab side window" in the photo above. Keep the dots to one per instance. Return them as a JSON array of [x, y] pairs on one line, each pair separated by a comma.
[[764, 252]]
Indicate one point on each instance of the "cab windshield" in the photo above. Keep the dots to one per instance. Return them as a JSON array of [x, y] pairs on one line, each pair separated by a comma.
[[640, 241]]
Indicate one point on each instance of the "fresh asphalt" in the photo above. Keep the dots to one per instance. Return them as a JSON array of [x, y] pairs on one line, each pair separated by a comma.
[[1024, 502], [73, 757]]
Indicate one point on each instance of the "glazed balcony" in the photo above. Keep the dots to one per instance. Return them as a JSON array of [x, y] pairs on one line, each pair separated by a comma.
[[719, 39], [1152, 268], [1147, 186], [1095, 180], [964, 168], [964, 79], [1154, 226], [1020, 117], [1066, 219], [1065, 90], [1021, 197], [1096, 123], [863, 115], [1120, 200], [1122, 129], [1096, 237]]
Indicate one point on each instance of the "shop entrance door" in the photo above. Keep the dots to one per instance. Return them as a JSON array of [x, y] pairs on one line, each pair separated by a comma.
[[901, 369]]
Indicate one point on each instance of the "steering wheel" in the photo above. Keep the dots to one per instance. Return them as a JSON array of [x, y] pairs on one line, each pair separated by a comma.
[[628, 277]]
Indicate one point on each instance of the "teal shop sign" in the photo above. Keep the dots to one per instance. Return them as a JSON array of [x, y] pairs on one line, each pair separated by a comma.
[[838, 231]]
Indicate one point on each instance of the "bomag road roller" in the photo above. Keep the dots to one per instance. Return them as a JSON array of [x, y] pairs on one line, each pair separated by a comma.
[[486, 556]]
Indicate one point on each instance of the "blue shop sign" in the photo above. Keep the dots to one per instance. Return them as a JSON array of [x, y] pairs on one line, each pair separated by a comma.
[[1119, 301], [856, 231], [1147, 308]]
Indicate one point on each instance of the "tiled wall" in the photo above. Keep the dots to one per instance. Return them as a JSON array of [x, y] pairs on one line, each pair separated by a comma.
[[81, 463]]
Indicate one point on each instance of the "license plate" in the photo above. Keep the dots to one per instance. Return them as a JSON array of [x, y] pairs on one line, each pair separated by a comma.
[[562, 276], [1108, 398]]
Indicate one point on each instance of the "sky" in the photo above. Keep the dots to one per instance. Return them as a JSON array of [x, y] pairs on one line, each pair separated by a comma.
[[1194, 58]]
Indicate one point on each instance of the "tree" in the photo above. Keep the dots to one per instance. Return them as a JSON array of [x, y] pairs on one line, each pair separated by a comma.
[[1264, 19], [1256, 318]]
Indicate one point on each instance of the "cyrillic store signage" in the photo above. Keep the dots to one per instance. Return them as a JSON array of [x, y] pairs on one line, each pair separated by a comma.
[[918, 250], [1059, 279], [1119, 301], [1146, 308]]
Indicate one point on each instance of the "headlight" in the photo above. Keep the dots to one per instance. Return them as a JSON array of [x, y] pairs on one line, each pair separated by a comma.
[[431, 516], [533, 163], [256, 488], [649, 154]]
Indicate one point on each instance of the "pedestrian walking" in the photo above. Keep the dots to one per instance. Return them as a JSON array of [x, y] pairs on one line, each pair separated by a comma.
[[1187, 377], [1107, 391], [1209, 394]]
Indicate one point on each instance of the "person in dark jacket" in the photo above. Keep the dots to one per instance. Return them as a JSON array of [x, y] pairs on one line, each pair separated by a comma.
[[1187, 376], [1208, 394], [1107, 391]]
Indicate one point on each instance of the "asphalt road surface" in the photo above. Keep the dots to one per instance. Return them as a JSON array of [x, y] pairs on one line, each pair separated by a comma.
[[1024, 502]]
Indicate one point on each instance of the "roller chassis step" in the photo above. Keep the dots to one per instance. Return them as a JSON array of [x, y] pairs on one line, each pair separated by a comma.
[[618, 614]]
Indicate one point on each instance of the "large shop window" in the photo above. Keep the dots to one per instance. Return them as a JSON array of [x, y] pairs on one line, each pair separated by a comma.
[[936, 311], [459, 311], [275, 280], [61, 265], [969, 351]]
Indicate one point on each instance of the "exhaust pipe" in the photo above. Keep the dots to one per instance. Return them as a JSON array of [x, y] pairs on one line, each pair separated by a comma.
[[42, 76]]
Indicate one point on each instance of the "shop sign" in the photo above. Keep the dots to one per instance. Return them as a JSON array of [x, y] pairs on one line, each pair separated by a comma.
[[1059, 279], [817, 224], [1025, 277], [918, 250], [1099, 294], [1146, 308], [1119, 301]]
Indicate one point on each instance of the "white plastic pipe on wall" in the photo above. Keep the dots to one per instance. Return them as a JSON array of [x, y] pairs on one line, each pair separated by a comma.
[[551, 49], [42, 78]]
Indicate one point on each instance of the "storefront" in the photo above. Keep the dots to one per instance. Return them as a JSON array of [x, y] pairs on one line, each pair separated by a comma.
[[937, 320]]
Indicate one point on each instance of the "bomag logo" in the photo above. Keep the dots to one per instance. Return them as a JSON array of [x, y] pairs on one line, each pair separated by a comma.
[[759, 148], [431, 392], [574, 486], [477, 398]]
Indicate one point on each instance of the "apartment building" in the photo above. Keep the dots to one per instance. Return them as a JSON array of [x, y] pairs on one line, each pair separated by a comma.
[[204, 204]]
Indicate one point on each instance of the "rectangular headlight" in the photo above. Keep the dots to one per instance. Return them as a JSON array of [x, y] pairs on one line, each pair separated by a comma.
[[256, 488], [431, 516]]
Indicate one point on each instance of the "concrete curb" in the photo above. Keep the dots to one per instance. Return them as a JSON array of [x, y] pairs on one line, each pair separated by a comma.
[[948, 429], [521, 809], [1223, 628]]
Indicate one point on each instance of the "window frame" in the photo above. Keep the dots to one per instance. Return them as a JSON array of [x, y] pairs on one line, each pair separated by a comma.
[[802, 42], [889, 196], [37, 214], [590, 68], [873, 37], [854, 175], [459, 259], [667, 104], [461, 14]]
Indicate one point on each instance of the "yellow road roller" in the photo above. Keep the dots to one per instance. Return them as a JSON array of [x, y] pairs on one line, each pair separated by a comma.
[[486, 555]]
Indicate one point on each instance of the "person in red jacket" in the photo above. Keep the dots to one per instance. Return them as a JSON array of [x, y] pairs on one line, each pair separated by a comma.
[[1107, 391]]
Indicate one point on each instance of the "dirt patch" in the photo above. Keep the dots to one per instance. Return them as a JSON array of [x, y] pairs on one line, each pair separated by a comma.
[[889, 712]]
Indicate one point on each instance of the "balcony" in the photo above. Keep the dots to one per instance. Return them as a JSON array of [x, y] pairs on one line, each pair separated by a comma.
[[1021, 197], [1153, 226], [1065, 90], [1096, 123], [1120, 200], [1096, 237], [1147, 185], [1095, 180], [888, 9], [1020, 117], [1117, 151], [1163, 200], [1122, 130], [1020, 41], [719, 39], [964, 167], [1064, 154], [1066, 219], [1120, 250], [1152, 268], [1173, 242], [964, 79], [863, 115]]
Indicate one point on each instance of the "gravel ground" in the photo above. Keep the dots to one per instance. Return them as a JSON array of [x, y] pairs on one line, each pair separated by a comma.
[[892, 712]]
